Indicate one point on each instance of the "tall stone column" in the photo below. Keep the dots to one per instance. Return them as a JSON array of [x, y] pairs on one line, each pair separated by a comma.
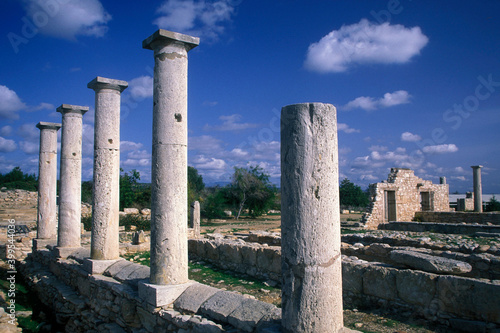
[[70, 206], [310, 220], [169, 254], [194, 222], [106, 188], [47, 186], [478, 191]]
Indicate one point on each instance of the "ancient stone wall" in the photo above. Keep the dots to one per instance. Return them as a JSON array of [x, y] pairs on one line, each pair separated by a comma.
[[403, 194], [444, 299], [18, 198], [110, 302], [459, 217]]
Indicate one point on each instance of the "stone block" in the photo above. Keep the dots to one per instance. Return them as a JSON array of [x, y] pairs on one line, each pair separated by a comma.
[[124, 273], [64, 252], [161, 295], [117, 267], [39, 244], [430, 263], [249, 255], [221, 305], [469, 298], [379, 281], [416, 287], [139, 274], [98, 266], [194, 296], [249, 313], [352, 277]]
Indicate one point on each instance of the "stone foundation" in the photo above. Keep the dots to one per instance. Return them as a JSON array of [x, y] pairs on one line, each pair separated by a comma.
[[459, 217]]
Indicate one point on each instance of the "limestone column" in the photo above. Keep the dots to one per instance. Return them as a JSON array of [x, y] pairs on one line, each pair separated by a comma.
[[478, 192], [47, 186], [69, 231], [169, 254], [310, 220], [106, 187], [194, 222]]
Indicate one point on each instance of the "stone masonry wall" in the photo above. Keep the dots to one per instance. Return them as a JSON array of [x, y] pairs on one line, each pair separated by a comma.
[[408, 189], [110, 302], [459, 217], [445, 299], [18, 198]]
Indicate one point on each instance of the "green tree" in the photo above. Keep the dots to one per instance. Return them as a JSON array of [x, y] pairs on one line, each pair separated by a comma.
[[127, 187], [195, 185], [493, 205], [214, 204], [17, 179], [250, 188], [351, 195], [87, 191]]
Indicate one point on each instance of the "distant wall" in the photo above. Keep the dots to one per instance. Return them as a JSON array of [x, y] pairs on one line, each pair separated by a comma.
[[459, 217]]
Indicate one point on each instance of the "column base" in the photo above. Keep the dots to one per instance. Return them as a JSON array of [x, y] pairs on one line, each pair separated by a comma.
[[95, 266], [161, 295], [64, 252], [43, 243]]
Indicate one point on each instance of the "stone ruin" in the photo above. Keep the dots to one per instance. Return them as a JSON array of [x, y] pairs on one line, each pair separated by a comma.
[[318, 269], [401, 196]]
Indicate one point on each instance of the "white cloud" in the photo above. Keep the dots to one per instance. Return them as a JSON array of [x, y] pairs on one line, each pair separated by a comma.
[[29, 147], [6, 130], [132, 163], [29, 131], [370, 103], [205, 144], [197, 18], [440, 149], [460, 170], [7, 146], [139, 155], [141, 87], [410, 137], [378, 148], [10, 103], [230, 123], [345, 128], [68, 19], [461, 178], [41, 106], [364, 43], [130, 146], [368, 177]]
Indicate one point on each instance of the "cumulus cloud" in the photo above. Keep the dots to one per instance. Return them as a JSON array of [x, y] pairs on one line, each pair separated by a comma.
[[388, 100], [10, 103], [141, 87], [230, 123], [364, 43], [69, 18], [410, 137], [205, 144], [6, 130], [7, 146], [198, 18], [345, 128], [130, 146], [29, 131], [41, 106], [440, 149], [29, 147]]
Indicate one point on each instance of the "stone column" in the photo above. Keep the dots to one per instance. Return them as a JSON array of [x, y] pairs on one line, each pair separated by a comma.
[[106, 195], [70, 206], [310, 220], [169, 254], [194, 222], [478, 192], [47, 186]]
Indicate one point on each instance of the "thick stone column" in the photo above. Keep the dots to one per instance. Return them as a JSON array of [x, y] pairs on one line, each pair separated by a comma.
[[69, 231], [47, 186], [169, 254], [310, 220], [478, 191], [194, 222], [106, 188]]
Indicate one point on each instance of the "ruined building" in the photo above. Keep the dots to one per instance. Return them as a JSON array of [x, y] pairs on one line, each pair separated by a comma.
[[402, 195]]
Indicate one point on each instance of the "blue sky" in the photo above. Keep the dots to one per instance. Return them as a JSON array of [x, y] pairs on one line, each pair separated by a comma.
[[416, 83]]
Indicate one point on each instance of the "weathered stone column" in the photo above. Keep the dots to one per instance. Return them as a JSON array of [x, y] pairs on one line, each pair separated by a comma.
[[169, 255], [47, 186], [106, 188], [310, 220], [478, 191], [70, 206], [194, 222]]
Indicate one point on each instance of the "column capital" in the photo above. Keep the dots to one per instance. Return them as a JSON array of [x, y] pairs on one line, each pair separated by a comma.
[[104, 83], [476, 166], [45, 125], [165, 37], [67, 108]]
